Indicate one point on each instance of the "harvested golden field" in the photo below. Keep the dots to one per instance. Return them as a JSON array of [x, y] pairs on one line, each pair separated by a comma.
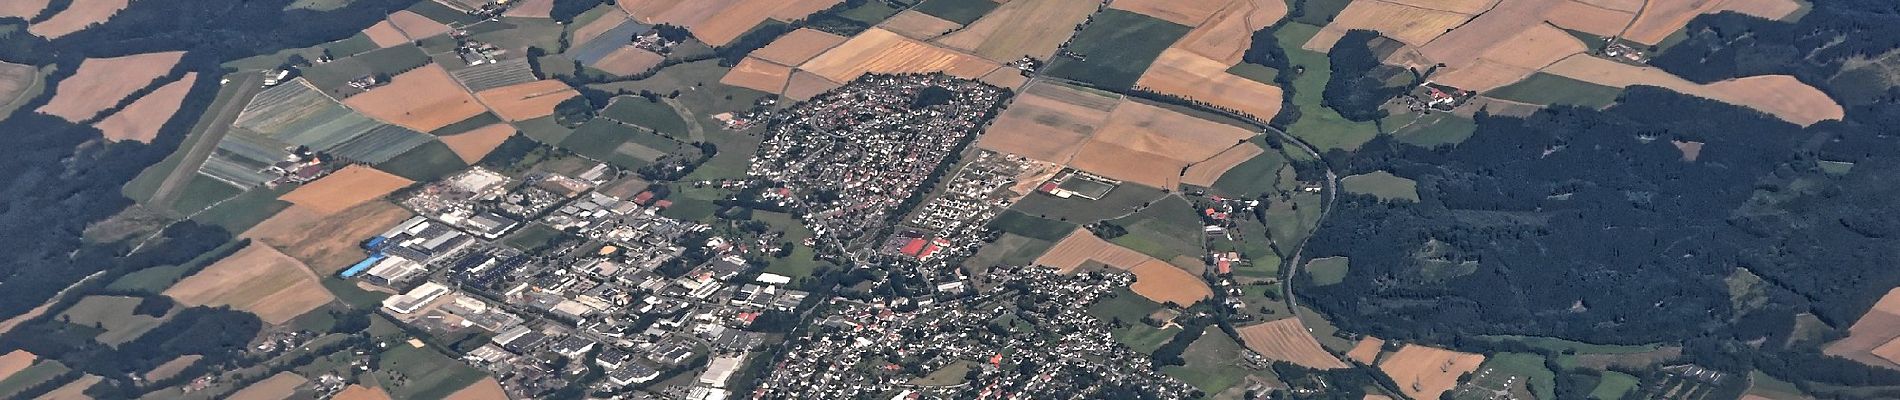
[[1578, 15], [1184, 12], [606, 22], [101, 82], [1411, 25], [360, 392], [77, 17], [1081, 247], [423, 99], [276, 387], [648, 11], [471, 146], [1204, 173], [1467, 7], [1048, 122], [1781, 95], [140, 121], [75, 390], [327, 243], [527, 101], [1287, 339], [1472, 39], [917, 25], [1009, 78], [1511, 59], [798, 46], [1425, 372], [1021, 27], [258, 279], [719, 22], [755, 74], [1366, 351], [1871, 339], [416, 26], [348, 187], [14, 361], [1183, 73], [172, 368], [1226, 35], [1151, 145], [1620, 5], [793, 10], [22, 8], [385, 34], [1165, 283], [880, 51], [1113, 160], [1663, 17], [485, 389], [628, 60], [805, 85], [530, 9]]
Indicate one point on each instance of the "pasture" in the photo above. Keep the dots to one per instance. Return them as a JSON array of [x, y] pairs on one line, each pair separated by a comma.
[[1318, 125], [1288, 339], [1167, 229], [1124, 199], [115, 315], [1548, 89], [1431, 130], [1130, 309], [1381, 184], [1613, 385], [652, 115], [428, 161], [621, 144], [962, 12], [1211, 364], [1252, 178], [426, 374], [1117, 47], [1328, 271], [1016, 222], [18, 84], [1009, 250], [1291, 218]]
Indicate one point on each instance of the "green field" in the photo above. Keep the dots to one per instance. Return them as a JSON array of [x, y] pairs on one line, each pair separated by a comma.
[[114, 315], [1211, 365], [317, 5], [1130, 309], [1547, 89], [801, 263], [245, 210], [1614, 385], [1433, 130], [1119, 45], [544, 130], [1123, 200], [1319, 12], [1289, 220], [1568, 346], [1836, 167], [425, 374], [444, 14], [31, 376], [532, 236], [333, 76], [34, 89], [1381, 184], [1010, 249], [951, 374], [693, 204], [200, 193], [1254, 177], [477, 121], [651, 115], [358, 44], [1012, 221], [142, 187], [870, 13], [958, 11], [1328, 271], [1167, 229], [157, 279], [1318, 125], [708, 98], [1250, 239], [620, 144], [1256, 73], [1526, 366], [428, 162]]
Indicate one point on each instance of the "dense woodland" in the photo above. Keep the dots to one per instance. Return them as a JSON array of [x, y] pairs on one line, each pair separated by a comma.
[[1356, 88], [1591, 224]]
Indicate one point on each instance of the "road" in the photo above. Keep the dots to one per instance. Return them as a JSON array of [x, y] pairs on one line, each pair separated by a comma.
[[249, 84]]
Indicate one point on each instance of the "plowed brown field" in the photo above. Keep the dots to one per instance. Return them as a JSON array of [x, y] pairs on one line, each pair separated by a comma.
[[1425, 372], [77, 17], [1366, 351], [917, 25], [345, 188], [797, 47], [805, 85], [1871, 340], [416, 26], [1287, 339], [628, 60], [423, 99], [101, 82], [527, 101], [1182, 73], [1048, 122], [1411, 25], [385, 34], [755, 74], [471, 146]]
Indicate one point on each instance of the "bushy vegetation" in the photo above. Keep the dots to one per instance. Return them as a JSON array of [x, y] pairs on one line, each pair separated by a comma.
[[1356, 89]]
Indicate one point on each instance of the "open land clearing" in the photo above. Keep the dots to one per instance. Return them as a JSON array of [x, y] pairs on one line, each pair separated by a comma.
[[1381, 184], [1425, 372], [415, 26], [16, 84], [15, 361], [77, 17], [385, 34], [1154, 279], [527, 100], [1021, 27], [1781, 95], [424, 99], [114, 314], [345, 188], [276, 387], [1366, 351], [485, 389], [1184, 12], [75, 390], [140, 121], [173, 367], [1289, 340], [327, 242], [1874, 339], [258, 279], [22, 8], [101, 82], [1208, 171], [471, 146], [917, 25], [880, 51], [360, 392]]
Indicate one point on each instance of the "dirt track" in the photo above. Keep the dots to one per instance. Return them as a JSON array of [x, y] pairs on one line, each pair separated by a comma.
[[249, 83]]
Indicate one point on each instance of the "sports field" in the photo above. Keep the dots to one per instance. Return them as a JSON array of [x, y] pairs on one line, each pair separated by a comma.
[[1118, 47]]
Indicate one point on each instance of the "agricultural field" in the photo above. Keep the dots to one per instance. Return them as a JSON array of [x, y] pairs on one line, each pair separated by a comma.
[[1026, 225], [1526, 369], [1118, 47], [647, 114], [114, 314], [719, 22], [326, 243], [18, 84], [1291, 218], [1328, 271], [424, 99], [15, 361], [1425, 372], [1049, 122], [1288, 339], [1548, 89], [173, 367], [74, 390], [1366, 351], [1381, 184], [1200, 65], [77, 16], [1009, 250], [1155, 279], [297, 113], [1167, 229], [473, 145], [346, 188], [333, 77], [494, 75], [1781, 95], [1124, 199], [426, 373], [1211, 364], [277, 387], [1430, 130], [360, 392], [1252, 178], [962, 12], [621, 144], [526, 101], [22, 8], [140, 120], [257, 279], [698, 107], [30, 377], [1206, 172], [100, 83], [478, 121], [485, 389], [917, 25], [429, 161], [1033, 28], [1613, 386], [1318, 125], [880, 51], [1872, 339]]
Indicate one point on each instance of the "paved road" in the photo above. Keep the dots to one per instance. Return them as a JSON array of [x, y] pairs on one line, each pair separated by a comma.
[[249, 83]]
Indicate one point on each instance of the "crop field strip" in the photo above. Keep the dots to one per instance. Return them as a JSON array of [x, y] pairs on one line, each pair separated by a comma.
[[494, 75], [296, 113]]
